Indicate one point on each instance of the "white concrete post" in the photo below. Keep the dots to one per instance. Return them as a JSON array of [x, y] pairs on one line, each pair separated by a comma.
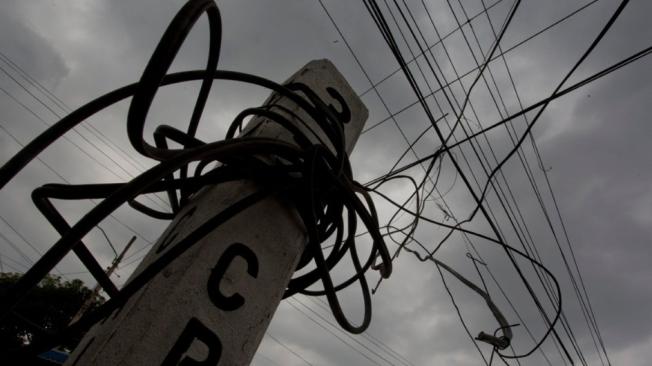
[[212, 305]]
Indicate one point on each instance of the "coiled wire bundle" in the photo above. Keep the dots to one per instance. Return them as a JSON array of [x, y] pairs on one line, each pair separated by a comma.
[[316, 178]]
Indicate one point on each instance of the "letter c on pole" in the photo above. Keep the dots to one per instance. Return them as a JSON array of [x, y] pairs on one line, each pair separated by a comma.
[[233, 302]]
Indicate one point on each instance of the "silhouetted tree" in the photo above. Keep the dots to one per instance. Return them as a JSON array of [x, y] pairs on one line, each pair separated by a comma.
[[50, 306]]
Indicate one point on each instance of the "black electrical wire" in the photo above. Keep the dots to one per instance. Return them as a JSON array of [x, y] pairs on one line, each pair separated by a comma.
[[521, 230], [66, 109], [636, 56], [55, 172], [289, 349], [525, 232], [377, 15], [473, 69], [368, 78], [604, 72], [430, 256], [389, 38], [334, 334], [431, 46], [317, 179]]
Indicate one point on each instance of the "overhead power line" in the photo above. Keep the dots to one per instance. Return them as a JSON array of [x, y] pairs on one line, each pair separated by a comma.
[[288, 348]]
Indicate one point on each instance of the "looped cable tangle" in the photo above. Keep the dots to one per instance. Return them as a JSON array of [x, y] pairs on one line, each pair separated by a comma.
[[315, 178]]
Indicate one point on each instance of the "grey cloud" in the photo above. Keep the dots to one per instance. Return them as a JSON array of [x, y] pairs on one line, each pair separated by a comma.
[[597, 147]]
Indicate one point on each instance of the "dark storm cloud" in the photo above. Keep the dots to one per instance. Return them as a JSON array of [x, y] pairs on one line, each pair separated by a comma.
[[20, 41], [605, 150], [595, 140]]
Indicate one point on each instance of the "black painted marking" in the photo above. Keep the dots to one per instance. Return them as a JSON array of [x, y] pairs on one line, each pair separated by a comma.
[[236, 300], [194, 330], [345, 115]]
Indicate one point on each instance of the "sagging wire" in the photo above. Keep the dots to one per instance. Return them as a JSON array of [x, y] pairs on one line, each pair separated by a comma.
[[317, 179], [377, 16], [498, 342]]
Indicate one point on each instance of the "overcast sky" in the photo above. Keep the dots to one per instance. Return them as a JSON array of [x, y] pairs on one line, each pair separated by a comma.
[[594, 145]]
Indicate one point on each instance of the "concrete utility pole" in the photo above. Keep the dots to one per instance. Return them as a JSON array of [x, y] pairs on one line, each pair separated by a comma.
[[212, 305], [109, 272]]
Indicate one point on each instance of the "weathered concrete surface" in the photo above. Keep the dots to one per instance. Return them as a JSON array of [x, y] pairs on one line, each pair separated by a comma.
[[189, 311]]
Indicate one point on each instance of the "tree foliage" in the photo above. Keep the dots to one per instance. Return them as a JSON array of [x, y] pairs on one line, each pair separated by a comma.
[[50, 306]]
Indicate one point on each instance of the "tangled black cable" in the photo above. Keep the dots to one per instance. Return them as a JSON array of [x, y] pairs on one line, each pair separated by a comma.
[[386, 31], [498, 343], [318, 180]]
